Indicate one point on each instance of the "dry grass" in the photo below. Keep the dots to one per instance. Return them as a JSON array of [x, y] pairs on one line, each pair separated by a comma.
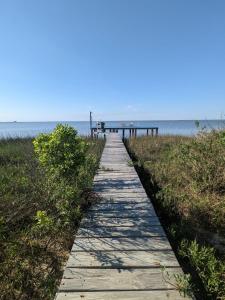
[[190, 173]]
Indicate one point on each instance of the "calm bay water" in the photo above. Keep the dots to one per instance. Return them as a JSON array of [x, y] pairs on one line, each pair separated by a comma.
[[24, 129]]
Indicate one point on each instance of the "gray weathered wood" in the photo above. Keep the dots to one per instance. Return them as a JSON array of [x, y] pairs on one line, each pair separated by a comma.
[[83, 279], [119, 194], [120, 221], [121, 243], [132, 213], [120, 259], [129, 199], [102, 206], [147, 231], [115, 191], [122, 295], [118, 185]]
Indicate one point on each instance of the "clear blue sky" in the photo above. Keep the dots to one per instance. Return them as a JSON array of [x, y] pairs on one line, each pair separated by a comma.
[[122, 59]]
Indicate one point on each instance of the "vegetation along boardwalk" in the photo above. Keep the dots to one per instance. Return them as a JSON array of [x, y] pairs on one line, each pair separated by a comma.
[[121, 250]]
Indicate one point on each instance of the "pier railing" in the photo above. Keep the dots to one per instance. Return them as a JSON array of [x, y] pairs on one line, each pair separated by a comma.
[[153, 131]]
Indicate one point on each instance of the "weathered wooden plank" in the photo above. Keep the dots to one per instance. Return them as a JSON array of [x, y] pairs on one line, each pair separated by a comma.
[[131, 171], [122, 200], [121, 194], [115, 173], [122, 295], [112, 178], [115, 154], [119, 187], [81, 279], [114, 150], [118, 178], [123, 243], [132, 213], [118, 184], [121, 231], [133, 182], [120, 221], [102, 206], [110, 174], [126, 192], [118, 190], [124, 197], [122, 259], [120, 157], [117, 168], [120, 164], [107, 158]]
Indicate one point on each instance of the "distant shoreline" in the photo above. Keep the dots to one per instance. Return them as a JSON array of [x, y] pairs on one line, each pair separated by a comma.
[[169, 120]]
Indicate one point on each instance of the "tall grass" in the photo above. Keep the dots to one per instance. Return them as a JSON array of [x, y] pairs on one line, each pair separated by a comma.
[[190, 173], [35, 230], [186, 178]]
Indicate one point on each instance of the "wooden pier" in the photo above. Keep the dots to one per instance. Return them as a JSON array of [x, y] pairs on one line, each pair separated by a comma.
[[121, 251], [153, 131]]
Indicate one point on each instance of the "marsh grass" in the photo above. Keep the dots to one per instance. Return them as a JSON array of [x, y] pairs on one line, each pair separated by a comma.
[[38, 218], [190, 174], [185, 177]]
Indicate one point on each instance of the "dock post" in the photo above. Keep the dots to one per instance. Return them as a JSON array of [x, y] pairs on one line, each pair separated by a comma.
[[152, 132], [135, 132], [92, 133], [130, 132], [123, 134], [157, 131], [147, 132]]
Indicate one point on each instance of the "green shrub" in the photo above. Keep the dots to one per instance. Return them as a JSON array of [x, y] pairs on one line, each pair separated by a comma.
[[61, 152], [43, 223], [69, 167]]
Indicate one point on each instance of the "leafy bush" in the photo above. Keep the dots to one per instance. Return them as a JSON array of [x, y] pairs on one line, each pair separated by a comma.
[[69, 169], [62, 152]]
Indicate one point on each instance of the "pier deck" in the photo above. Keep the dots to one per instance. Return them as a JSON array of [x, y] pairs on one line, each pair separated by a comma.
[[121, 251]]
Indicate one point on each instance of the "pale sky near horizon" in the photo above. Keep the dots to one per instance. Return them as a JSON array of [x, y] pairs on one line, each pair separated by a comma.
[[122, 59]]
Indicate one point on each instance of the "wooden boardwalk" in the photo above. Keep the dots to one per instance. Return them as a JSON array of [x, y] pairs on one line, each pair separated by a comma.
[[121, 247]]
